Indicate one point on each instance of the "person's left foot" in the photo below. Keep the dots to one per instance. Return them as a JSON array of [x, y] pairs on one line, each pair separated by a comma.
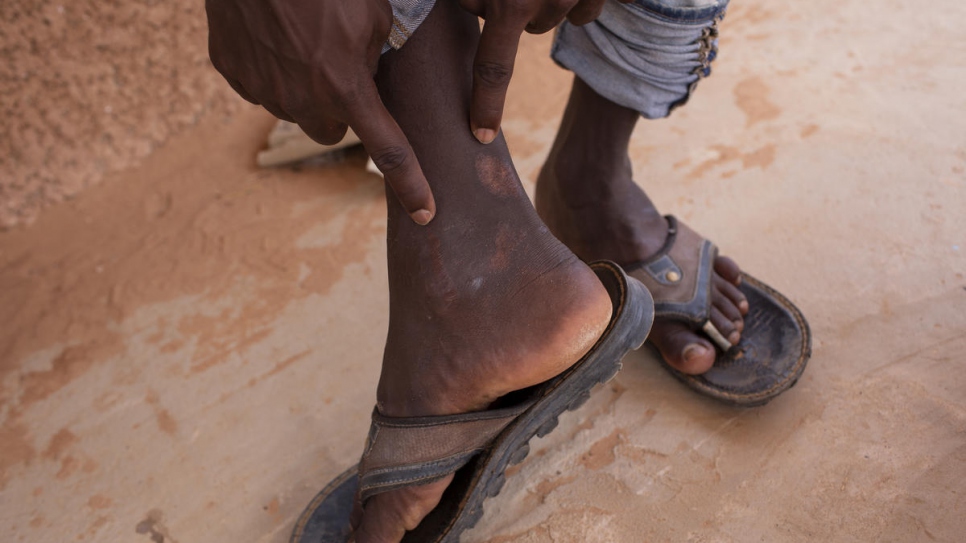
[[587, 197]]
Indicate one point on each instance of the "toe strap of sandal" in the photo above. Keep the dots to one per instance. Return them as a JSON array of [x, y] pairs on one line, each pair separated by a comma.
[[405, 451], [679, 278]]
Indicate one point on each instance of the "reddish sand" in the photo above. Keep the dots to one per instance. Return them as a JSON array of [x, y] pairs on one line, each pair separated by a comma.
[[90, 87], [189, 346]]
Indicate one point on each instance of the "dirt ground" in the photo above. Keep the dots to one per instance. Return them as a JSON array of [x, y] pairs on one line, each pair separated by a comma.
[[189, 346]]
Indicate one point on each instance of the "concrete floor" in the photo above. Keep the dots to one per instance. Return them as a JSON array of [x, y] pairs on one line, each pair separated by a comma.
[[189, 350]]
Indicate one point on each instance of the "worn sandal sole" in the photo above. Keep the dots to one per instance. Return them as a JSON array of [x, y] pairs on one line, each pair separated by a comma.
[[775, 346], [326, 518]]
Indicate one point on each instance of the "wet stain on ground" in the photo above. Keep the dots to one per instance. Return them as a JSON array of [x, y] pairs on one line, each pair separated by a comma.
[[752, 98], [166, 422], [59, 443], [603, 452], [763, 157], [809, 130], [99, 502]]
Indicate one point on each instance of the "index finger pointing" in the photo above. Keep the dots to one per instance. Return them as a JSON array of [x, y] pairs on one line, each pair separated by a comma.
[[392, 154], [492, 70]]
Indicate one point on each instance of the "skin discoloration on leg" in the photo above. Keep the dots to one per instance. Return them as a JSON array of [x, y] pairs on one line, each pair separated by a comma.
[[498, 176], [508, 240], [483, 301]]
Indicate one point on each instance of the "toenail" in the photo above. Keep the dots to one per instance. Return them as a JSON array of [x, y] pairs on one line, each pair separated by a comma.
[[694, 351]]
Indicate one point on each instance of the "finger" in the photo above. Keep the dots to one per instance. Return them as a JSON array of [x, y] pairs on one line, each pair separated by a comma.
[[550, 16], [240, 89], [322, 129], [476, 7], [585, 11], [391, 152], [492, 70], [278, 111]]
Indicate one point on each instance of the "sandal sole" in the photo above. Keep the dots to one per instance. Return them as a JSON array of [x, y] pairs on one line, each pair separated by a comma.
[[326, 519], [770, 358]]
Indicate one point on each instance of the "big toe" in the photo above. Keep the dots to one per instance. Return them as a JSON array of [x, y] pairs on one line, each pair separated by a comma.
[[684, 350], [388, 516]]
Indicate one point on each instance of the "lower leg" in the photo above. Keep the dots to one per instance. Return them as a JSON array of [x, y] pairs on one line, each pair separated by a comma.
[[483, 300], [587, 196], [586, 192]]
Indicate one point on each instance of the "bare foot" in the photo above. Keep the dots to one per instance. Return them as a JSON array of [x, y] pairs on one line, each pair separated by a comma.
[[483, 300], [587, 196]]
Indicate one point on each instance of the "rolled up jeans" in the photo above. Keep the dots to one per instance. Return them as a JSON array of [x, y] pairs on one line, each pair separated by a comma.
[[647, 55]]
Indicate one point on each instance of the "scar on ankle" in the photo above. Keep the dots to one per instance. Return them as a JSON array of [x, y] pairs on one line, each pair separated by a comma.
[[507, 240], [440, 288], [497, 176]]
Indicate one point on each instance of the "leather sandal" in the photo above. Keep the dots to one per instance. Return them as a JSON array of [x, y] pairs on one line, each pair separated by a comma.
[[775, 344], [478, 447]]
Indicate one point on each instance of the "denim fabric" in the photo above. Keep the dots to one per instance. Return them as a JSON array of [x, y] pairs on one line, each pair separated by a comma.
[[407, 15], [647, 55]]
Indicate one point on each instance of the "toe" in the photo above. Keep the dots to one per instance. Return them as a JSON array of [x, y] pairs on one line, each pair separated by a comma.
[[387, 517], [724, 303], [734, 296], [725, 325], [684, 350], [727, 268]]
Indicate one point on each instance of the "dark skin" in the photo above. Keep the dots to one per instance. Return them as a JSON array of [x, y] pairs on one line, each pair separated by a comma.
[[484, 300], [312, 61], [587, 196], [506, 21]]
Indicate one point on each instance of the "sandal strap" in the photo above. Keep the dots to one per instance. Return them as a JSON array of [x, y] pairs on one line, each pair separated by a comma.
[[405, 451], [679, 275]]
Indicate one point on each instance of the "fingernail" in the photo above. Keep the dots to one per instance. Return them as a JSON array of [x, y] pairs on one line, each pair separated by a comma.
[[743, 305], [422, 217], [734, 338], [485, 135], [694, 351], [739, 325]]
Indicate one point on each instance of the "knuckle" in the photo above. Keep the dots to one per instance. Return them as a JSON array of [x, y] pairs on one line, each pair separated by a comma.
[[492, 74], [595, 13], [392, 159], [541, 28], [294, 104], [561, 7], [517, 8]]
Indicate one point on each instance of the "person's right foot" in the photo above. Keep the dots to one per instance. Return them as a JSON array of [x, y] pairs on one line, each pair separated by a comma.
[[587, 197]]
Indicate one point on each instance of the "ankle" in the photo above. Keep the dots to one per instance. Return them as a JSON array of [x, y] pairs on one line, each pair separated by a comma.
[[462, 350]]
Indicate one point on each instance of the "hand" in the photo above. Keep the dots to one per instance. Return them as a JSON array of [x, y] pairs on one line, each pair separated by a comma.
[[506, 20], [312, 62]]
